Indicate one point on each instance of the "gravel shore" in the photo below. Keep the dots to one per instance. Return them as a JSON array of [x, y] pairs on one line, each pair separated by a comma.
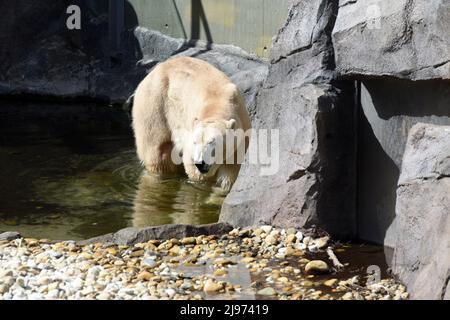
[[259, 263]]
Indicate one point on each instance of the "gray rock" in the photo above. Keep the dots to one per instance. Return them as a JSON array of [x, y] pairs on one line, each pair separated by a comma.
[[266, 292], [404, 38], [314, 183], [421, 257], [9, 235], [129, 236], [389, 108]]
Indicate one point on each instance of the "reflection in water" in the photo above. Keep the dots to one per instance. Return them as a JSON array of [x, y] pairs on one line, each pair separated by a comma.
[[173, 200], [51, 189]]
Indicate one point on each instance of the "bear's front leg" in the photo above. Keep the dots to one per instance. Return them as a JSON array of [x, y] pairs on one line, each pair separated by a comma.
[[158, 159], [192, 172]]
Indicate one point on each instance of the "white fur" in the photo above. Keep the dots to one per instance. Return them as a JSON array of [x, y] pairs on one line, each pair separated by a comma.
[[183, 106]]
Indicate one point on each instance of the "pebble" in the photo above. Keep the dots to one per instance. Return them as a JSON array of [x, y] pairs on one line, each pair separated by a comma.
[[248, 260], [212, 286], [144, 276], [186, 285], [316, 267], [53, 294], [266, 229], [35, 296], [137, 253], [331, 282], [103, 296], [149, 263], [189, 240], [347, 296], [175, 250], [77, 284], [181, 269], [280, 256], [321, 243], [290, 238], [270, 240], [170, 292], [290, 231], [266, 292], [3, 288], [220, 272], [299, 236]]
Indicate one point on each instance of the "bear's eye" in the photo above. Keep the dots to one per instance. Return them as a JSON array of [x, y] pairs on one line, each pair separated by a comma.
[[213, 152]]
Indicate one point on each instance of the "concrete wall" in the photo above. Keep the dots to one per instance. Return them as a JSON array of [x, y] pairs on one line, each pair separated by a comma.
[[249, 24], [389, 109]]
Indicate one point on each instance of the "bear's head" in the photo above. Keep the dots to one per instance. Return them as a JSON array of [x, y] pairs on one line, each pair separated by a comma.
[[210, 139]]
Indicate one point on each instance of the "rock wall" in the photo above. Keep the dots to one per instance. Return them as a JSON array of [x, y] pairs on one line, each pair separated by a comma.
[[389, 46], [406, 39], [399, 52], [46, 59], [390, 107], [421, 258], [314, 116]]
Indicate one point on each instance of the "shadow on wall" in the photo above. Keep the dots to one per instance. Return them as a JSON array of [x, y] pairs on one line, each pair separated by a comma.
[[130, 22], [377, 182], [390, 108], [198, 17], [198, 20], [131, 19]]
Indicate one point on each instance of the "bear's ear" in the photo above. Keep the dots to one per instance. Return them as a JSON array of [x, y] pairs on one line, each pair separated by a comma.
[[231, 124]]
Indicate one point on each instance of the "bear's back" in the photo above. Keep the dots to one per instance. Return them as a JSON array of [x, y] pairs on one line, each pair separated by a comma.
[[186, 75]]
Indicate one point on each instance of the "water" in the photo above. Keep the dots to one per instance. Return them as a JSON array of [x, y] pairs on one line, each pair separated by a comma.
[[76, 186]]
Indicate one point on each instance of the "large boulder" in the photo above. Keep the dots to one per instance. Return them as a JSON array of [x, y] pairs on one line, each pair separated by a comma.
[[130, 236], [314, 181], [421, 255], [403, 38]]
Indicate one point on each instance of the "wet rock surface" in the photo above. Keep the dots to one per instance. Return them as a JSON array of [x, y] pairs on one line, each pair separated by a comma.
[[9, 235], [237, 265], [423, 219]]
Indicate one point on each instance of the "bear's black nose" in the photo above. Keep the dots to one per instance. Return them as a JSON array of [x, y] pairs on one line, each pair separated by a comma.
[[202, 167]]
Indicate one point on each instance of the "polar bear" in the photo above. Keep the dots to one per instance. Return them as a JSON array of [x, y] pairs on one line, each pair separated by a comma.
[[184, 111]]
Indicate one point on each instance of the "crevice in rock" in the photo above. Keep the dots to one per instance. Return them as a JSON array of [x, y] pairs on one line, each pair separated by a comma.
[[445, 285], [429, 178], [290, 53], [434, 66], [349, 2], [297, 175]]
